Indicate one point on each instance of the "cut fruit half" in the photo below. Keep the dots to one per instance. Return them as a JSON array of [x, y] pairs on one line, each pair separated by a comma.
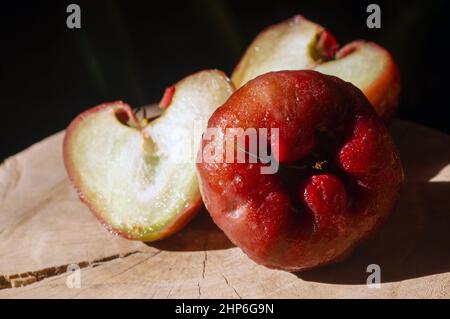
[[288, 45], [298, 44], [370, 68], [139, 178]]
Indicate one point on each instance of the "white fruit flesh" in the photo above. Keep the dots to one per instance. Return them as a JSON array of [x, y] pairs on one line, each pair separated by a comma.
[[138, 180], [285, 46], [362, 67], [289, 46]]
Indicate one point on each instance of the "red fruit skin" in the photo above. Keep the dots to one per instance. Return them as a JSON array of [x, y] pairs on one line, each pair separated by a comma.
[[328, 44], [312, 217], [167, 97], [325, 197]]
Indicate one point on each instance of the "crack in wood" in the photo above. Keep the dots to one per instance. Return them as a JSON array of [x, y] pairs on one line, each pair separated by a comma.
[[123, 271], [199, 290], [228, 284], [169, 293], [205, 259], [30, 277], [137, 264]]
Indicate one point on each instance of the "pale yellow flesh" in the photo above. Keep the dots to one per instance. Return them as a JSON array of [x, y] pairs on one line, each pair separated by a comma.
[[362, 67], [139, 181], [287, 46]]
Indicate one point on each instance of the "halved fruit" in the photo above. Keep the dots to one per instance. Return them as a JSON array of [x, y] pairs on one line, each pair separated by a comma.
[[298, 44], [139, 177]]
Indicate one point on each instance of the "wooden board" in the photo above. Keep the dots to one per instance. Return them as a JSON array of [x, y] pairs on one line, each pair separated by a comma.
[[44, 228]]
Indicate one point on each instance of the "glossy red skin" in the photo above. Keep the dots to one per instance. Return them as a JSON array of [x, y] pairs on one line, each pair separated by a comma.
[[167, 97], [272, 218], [325, 197], [328, 44]]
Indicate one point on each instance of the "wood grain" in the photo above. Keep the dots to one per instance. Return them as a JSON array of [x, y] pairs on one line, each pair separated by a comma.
[[44, 228]]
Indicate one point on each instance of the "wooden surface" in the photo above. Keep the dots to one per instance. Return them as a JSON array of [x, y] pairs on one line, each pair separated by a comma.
[[44, 228]]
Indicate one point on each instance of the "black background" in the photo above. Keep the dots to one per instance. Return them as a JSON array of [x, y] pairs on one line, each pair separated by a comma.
[[132, 50], [282, 308]]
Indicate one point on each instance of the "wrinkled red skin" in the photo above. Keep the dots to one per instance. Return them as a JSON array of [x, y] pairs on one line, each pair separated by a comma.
[[305, 215]]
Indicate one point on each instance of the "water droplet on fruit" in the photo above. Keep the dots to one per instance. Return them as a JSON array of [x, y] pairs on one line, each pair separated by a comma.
[[237, 210], [237, 181]]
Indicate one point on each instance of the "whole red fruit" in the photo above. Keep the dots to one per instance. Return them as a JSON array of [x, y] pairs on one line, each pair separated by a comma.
[[339, 175]]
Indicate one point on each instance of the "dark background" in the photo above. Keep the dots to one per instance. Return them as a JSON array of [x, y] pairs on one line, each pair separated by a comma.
[[132, 50]]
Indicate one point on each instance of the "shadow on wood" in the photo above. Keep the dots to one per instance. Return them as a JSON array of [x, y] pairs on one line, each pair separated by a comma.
[[200, 234]]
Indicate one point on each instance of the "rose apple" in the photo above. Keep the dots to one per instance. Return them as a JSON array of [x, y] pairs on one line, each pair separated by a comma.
[[339, 171], [136, 176], [298, 44]]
